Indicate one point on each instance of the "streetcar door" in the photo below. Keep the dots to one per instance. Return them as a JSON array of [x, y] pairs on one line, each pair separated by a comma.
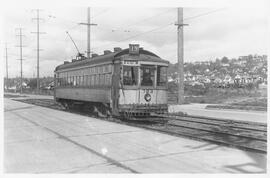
[[115, 88]]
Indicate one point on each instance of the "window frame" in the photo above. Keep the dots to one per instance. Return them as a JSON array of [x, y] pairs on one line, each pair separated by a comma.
[[136, 73], [159, 77], [153, 67]]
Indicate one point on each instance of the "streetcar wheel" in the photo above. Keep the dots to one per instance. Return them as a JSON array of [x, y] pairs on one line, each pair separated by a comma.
[[66, 106]]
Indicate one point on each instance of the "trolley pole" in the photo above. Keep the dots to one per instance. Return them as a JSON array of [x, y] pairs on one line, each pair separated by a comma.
[[180, 55], [88, 31]]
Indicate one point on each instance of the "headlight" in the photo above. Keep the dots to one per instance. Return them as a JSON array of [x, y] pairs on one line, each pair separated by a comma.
[[147, 97]]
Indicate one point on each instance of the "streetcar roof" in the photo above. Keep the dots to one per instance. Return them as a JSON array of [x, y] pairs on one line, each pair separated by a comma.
[[109, 58]]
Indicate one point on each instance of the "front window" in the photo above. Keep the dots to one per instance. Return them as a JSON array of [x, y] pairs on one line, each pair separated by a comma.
[[130, 75], [147, 75], [161, 75]]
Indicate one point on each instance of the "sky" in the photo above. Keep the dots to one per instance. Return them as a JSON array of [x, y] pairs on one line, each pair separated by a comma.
[[211, 33]]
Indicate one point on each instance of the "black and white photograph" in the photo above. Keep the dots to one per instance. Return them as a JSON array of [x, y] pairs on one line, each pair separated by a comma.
[[134, 87]]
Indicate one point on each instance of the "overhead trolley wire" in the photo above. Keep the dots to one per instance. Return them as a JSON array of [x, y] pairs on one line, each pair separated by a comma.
[[102, 12], [135, 35], [143, 33], [206, 13]]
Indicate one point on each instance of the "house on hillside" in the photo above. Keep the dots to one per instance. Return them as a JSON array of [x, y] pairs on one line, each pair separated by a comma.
[[236, 70], [197, 63], [264, 70], [46, 84], [228, 79], [17, 86], [170, 79], [237, 79], [246, 79], [243, 60], [217, 80], [225, 64], [206, 63], [237, 63]]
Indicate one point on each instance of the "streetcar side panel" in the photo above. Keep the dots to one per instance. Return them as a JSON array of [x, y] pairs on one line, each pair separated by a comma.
[[90, 84], [138, 96], [102, 95]]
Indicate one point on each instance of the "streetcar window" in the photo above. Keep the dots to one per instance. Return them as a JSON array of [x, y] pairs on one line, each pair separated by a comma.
[[109, 68], [147, 75], [81, 80], [70, 81], [77, 81], [97, 80], [101, 79], [90, 80], [90, 70], [161, 75], [86, 80], [130, 75], [106, 70], [74, 81], [108, 81]]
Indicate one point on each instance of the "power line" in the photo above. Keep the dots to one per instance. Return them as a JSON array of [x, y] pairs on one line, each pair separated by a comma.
[[159, 14], [117, 29], [137, 35], [143, 33], [71, 28], [203, 14], [104, 11], [145, 19], [63, 19], [196, 16]]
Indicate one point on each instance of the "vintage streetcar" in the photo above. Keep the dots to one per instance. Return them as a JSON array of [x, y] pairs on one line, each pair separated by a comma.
[[129, 83]]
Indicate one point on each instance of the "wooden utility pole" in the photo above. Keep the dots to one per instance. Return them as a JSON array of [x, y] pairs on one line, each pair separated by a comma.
[[88, 31], [21, 46], [7, 82], [180, 55], [38, 49]]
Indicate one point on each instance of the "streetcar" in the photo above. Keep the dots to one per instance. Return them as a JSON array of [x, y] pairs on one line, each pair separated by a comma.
[[126, 82]]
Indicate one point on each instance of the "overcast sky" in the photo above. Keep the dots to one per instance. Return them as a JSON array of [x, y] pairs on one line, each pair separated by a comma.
[[212, 33]]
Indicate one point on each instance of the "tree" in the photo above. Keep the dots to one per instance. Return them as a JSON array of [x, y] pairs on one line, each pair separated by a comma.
[[33, 83], [225, 60]]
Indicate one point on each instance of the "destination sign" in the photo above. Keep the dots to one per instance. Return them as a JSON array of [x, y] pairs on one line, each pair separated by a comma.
[[126, 62], [134, 49]]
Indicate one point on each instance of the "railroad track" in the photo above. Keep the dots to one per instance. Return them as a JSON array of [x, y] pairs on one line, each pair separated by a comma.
[[249, 136], [244, 135]]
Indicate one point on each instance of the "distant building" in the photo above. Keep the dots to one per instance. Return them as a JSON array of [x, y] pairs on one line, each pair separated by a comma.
[[170, 79], [228, 79], [225, 64]]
